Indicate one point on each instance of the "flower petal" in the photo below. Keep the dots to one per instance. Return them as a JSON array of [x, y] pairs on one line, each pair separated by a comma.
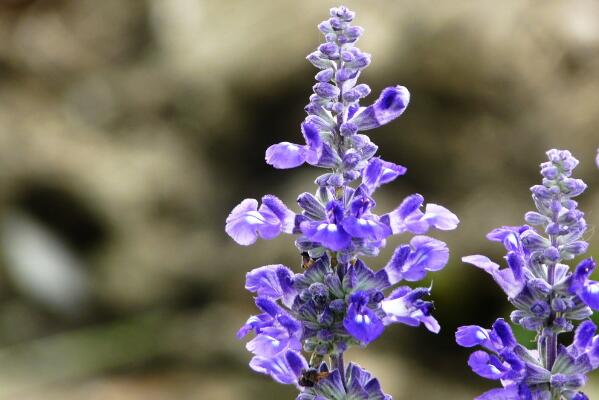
[[313, 142], [243, 222], [331, 236], [363, 324], [366, 228], [487, 366], [286, 217], [440, 217], [273, 281], [412, 263], [405, 305], [590, 294], [471, 336], [379, 172], [504, 278], [508, 393], [285, 155], [279, 367]]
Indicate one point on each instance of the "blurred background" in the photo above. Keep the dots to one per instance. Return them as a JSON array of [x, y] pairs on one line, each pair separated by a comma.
[[129, 130]]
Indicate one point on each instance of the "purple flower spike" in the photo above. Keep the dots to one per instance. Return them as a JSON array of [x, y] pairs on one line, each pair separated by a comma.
[[548, 297], [335, 300], [391, 104]]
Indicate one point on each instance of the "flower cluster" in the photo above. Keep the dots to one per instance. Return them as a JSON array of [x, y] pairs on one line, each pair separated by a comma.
[[337, 301], [547, 295]]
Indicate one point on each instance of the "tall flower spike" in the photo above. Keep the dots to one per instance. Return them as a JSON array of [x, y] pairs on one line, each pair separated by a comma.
[[548, 296], [337, 301]]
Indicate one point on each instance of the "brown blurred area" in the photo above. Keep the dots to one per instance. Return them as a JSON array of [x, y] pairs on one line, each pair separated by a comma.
[[129, 129]]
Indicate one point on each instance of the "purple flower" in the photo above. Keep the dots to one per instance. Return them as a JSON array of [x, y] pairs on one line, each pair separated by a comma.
[[272, 340], [391, 104], [285, 368], [504, 277], [328, 232], [412, 262], [289, 155], [361, 223], [246, 222], [379, 172], [409, 218], [586, 289], [274, 281], [362, 322], [497, 339], [405, 305], [276, 330], [488, 366]]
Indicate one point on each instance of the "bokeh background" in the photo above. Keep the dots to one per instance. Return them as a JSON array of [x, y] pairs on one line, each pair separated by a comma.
[[129, 129]]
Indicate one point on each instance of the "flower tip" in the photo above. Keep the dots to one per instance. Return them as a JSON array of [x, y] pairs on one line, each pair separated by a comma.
[[590, 295], [467, 259], [402, 95]]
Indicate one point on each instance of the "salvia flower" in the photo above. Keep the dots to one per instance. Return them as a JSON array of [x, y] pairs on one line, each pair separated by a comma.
[[308, 319], [549, 297]]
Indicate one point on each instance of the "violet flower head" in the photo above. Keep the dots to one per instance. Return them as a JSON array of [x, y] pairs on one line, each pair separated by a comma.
[[548, 295], [308, 319]]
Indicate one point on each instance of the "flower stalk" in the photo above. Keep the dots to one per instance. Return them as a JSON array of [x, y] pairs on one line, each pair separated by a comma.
[[336, 300], [548, 296]]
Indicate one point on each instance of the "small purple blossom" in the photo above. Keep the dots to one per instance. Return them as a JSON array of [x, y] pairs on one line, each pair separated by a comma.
[[361, 321], [247, 221], [286, 367], [405, 305], [549, 298], [337, 301], [391, 104]]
